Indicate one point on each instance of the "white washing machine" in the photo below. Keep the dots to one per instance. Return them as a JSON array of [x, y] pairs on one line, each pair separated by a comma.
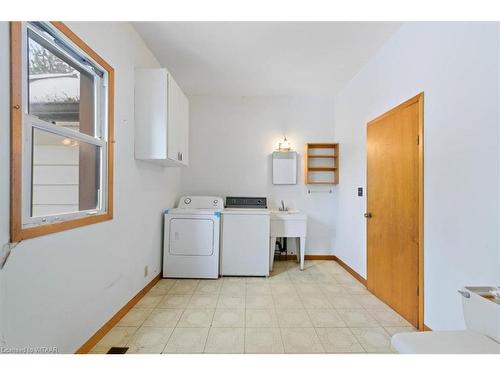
[[191, 238], [245, 237]]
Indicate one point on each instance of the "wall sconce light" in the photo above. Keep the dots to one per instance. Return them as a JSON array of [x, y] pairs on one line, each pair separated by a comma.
[[284, 146]]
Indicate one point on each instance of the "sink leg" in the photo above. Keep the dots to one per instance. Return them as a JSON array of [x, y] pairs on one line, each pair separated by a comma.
[[271, 253], [302, 252]]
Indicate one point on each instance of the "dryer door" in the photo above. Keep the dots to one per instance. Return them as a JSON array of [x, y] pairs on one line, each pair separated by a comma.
[[191, 236]]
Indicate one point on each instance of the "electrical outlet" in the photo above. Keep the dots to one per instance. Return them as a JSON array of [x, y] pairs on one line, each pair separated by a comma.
[[146, 271]]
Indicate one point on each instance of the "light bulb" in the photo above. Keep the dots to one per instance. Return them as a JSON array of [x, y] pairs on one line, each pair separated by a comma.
[[284, 146]]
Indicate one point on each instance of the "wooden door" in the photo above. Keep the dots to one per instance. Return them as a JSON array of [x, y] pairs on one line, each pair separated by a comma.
[[394, 208]]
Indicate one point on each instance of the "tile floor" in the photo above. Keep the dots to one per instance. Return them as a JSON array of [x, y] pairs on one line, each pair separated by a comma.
[[322, 309]]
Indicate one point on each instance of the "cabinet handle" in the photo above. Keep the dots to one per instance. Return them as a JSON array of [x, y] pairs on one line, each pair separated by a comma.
[[464, 293], [181, 156]]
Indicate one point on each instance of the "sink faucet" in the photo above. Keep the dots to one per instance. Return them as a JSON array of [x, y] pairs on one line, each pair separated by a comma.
[[283, 208]]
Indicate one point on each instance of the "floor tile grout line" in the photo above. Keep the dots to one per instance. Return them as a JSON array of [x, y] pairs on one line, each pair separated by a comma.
[[319, 340], [244, 330], [356, 338], [168, 339], [284, 280]]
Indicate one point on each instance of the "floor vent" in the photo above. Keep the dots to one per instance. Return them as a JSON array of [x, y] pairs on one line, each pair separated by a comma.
[[117, 350]]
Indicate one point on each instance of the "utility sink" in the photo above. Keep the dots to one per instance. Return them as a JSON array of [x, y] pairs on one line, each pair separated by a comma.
[[287, 215], [290, 224]]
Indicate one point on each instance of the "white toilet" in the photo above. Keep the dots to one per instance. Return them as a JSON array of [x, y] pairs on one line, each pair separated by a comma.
[[482, 336]]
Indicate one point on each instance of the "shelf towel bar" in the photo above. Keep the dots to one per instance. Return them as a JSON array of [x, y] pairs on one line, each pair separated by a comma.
[[309, 191]]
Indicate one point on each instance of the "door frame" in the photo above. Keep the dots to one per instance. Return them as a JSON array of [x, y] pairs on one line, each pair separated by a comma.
[[419, 98]]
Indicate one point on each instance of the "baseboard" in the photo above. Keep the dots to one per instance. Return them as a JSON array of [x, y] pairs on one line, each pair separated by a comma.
[[312, 257], [363, 281], [96, 337], [356, 275], [319, 257]]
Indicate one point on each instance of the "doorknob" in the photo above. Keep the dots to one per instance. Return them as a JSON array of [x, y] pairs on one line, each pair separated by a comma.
[[368, 215]]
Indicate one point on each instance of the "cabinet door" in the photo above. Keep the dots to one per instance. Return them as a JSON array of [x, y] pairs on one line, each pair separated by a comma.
[[184, 128], [150, 113], [173, 138]]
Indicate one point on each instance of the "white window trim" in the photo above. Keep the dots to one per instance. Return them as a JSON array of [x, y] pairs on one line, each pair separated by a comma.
[[30, 122]]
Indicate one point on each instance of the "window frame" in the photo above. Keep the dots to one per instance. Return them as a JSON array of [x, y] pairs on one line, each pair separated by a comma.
[[22, 224]]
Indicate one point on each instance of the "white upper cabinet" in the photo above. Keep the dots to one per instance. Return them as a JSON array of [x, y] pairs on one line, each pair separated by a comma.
[[161, 118]]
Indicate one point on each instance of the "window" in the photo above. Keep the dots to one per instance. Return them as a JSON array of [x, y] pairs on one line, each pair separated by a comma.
[[62, 128]]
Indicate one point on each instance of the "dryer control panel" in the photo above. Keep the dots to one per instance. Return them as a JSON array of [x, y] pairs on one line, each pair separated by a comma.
[[201, 202]]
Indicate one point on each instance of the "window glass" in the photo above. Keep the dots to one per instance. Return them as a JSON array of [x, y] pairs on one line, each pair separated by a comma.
[[66, 174], [59, 91], [62, 158]]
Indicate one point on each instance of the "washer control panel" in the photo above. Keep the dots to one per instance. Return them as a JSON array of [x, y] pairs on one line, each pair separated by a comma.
[[246, 202]]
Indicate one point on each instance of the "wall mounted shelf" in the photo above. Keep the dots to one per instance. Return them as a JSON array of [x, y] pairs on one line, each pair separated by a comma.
[[322, 164]]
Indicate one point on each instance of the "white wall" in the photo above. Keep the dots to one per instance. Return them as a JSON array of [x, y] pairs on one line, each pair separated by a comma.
[[231, 141], [57, 290], [4, 167], [498, 107], [457, 66]]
